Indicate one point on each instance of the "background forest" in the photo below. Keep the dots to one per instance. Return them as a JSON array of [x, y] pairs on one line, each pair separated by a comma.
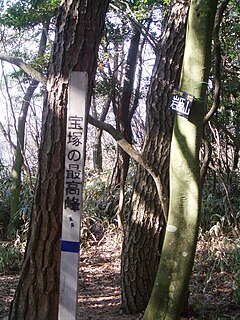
[[129, 49]]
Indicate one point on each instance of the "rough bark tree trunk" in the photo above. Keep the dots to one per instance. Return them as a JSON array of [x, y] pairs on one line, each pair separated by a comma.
[[145, 222], [172, 280], [78, 33]]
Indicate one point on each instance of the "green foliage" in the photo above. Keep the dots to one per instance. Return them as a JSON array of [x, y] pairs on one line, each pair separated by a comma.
[[26, 199], [98, 198], [103, 87], [11, 256], [28, 13], [141, 9], [11, 253], [230, 32], [219, 255], [5, 182], [41, 63], [229, 112], [100, 205], [115, 33], [236, 286], [217, 215]]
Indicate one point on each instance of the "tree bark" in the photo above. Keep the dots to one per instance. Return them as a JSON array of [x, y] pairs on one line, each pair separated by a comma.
[[97, 145], [145, 222], [173, 276], [78, 33], [124, 121]]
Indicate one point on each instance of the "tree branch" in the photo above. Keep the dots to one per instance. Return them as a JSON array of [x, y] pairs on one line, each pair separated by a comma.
[[227, 132], [206, 158], [218, 60], [7, 137], [231, 71], [33, 73], [127, 147], [134, 154]]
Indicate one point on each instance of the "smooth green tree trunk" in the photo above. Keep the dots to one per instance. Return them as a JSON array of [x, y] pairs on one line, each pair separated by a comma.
[[172, 280], [145, 222]]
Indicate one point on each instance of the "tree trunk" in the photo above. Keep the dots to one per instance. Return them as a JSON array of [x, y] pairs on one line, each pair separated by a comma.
[[19, 154], [145, 222], [124, 121], [97, 146], [97, 151], [179, 245], [78, 33]]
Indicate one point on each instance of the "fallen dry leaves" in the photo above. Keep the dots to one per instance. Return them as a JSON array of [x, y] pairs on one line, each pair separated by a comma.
[[211, 289]]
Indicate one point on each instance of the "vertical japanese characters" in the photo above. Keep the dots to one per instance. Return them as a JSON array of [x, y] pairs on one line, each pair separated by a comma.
[[73, 166]]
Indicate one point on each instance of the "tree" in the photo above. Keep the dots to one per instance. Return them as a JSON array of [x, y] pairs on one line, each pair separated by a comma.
[[172, 280], [121, 83], [79, 26], [20, 153], [124, 116], [145, 224], [21, 17]]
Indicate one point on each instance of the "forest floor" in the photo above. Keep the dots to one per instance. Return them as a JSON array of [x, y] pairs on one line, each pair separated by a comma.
[[211, 289]]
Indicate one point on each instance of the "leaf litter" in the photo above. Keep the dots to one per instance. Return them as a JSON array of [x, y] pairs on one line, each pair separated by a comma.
[[99, 295]]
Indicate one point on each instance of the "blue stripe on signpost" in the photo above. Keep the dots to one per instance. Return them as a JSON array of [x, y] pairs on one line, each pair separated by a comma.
[[70, 246]]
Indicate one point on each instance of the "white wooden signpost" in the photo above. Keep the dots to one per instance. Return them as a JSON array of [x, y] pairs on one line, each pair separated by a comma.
[[72, 202]]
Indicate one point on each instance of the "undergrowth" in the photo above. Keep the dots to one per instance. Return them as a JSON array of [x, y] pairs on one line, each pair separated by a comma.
[[217, 263], [221, 204], [11, 255], [100, 201], [219, 256]]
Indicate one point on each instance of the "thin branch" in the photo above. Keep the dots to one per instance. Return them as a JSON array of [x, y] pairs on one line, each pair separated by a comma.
[[227, 132], [145, 32], [10, 101], [206, 158], [231, 71], [7, 136], [218, 60]]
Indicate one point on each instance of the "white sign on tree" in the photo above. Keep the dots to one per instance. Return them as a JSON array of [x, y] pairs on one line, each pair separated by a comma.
[[72, 202]]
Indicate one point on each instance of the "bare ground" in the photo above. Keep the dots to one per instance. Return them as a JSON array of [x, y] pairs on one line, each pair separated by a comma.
[[99, 283], [211, 290]]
